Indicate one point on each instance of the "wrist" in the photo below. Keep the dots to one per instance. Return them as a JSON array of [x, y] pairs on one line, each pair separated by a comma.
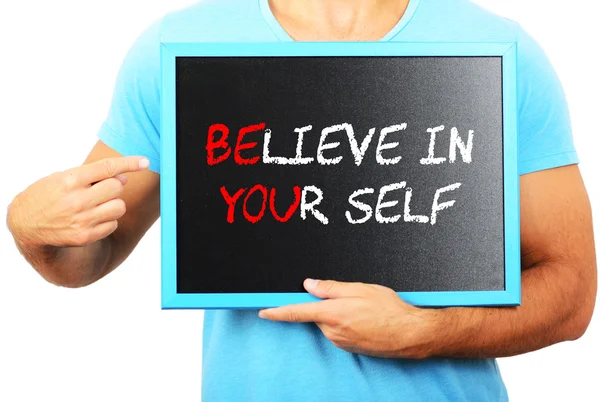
[[454, 329], [26, 243], [419, 336], [432, 333]]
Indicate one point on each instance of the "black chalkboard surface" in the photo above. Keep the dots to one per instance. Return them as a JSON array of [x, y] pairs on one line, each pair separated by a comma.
[[379, 169]]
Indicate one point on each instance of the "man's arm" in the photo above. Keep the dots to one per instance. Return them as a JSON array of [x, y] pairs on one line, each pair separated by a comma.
[[559, 278], [69, 239], [559, 282]]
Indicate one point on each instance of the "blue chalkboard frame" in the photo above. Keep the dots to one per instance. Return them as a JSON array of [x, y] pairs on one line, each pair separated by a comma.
[[170, 51]]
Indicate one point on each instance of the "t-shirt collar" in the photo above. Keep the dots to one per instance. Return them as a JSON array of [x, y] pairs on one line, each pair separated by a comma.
[[282, 35]]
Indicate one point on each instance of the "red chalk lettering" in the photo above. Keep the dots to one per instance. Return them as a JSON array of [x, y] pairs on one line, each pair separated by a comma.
[[290, 210], [256, 218], [249, 145], [231, 202], [211, 144]]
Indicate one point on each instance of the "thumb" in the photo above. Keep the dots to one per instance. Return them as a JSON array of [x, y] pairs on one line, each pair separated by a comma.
[[330, 289]]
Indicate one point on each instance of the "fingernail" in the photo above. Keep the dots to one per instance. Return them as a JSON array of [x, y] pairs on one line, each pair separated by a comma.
[[312, 283], [144, 163], [261, 314], [122, 178]]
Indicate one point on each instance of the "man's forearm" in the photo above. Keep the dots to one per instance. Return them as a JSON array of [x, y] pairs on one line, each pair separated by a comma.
[[65, 266], [69, 266], [555, 307]]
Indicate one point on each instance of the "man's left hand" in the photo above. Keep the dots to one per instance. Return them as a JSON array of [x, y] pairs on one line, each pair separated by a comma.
[[364, 318]]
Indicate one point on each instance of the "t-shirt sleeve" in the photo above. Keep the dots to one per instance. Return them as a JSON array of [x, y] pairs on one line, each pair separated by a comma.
[[544, 126], [132, 126]]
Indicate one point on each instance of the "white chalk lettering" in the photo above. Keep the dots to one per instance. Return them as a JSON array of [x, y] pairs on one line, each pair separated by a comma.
[[310, 206], [360, 206], [465, 150], [381, 146], [323, 146], [436, 207], [359, 153], [299, 160], [431, 160], [407, 216], [388, 204], [267, 158]]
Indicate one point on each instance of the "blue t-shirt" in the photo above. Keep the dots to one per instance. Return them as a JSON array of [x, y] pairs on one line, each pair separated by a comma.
[[248, 358]]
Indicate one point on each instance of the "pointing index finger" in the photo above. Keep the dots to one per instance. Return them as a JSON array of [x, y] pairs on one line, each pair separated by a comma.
[[111, 167], [304, 312]]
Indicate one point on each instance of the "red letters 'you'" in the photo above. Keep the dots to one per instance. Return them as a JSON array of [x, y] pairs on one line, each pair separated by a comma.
[[290, 210], [211, 144]]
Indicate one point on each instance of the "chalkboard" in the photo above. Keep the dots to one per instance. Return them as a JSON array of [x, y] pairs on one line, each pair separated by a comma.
[[339, 162]]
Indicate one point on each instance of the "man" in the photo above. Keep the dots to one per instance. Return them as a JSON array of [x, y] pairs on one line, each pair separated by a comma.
[[362, 343]]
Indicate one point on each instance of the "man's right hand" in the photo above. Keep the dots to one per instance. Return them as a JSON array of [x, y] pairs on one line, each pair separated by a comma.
[[75, 207]]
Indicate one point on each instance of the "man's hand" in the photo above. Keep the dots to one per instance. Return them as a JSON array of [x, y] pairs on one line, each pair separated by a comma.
[[72, 226], [73, 208], [364, 318]]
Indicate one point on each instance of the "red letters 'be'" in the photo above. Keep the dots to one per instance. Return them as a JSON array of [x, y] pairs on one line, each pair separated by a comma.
[[221, 143]]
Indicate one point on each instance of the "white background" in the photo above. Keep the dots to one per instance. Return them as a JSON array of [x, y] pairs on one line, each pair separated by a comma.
[[110, 341]]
